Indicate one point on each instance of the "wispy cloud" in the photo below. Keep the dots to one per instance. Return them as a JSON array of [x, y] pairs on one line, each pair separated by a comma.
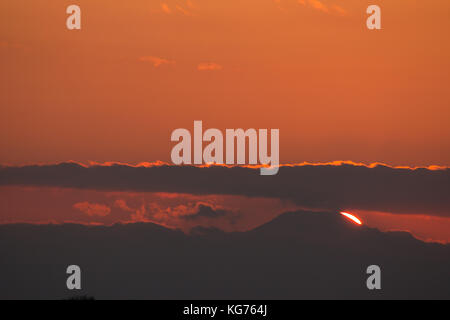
[[156, 61], [320, 6], [209, 66], [165, 8], [183, 9], [339, 10]]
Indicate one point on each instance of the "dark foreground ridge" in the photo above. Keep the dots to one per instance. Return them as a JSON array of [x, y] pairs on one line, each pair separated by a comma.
[[297, 255]]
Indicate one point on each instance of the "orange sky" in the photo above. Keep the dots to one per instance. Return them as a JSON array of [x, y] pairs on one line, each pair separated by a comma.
[[137, 70]]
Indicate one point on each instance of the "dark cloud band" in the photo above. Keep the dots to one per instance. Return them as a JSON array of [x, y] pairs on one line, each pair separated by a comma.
[[380, 188]]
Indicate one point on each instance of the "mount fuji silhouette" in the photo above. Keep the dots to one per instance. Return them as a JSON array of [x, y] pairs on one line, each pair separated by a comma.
[[298, 255]]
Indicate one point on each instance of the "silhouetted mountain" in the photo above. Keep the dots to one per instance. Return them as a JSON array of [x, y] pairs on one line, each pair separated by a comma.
[[297, 255]]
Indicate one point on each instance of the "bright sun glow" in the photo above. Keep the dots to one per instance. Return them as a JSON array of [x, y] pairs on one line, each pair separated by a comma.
[[351, 217]]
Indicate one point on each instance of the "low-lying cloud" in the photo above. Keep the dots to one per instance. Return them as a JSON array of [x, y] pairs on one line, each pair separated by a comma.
[[92, 209], [328, 187]]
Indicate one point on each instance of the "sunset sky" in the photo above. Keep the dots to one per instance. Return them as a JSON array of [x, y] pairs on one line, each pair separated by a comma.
[[116, 89], [336, 90]]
